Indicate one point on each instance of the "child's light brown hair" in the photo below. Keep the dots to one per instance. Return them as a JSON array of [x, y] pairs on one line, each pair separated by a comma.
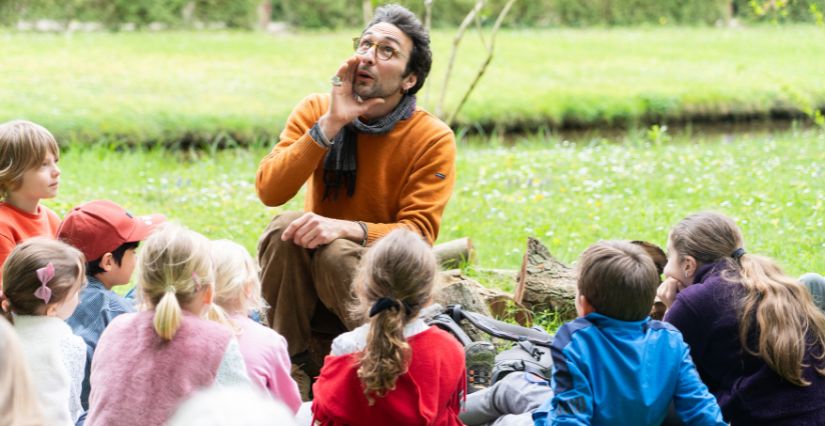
[[619, 279], [174, 264], [777, 308], [402, 268], [23, 146], [20, 280]]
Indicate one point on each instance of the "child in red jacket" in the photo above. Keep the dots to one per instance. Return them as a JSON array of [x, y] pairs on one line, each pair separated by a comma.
[[394, 369]]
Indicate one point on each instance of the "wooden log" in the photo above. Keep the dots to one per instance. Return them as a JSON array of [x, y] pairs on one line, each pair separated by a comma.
[[544, 283], [453, 253], [455, 288]]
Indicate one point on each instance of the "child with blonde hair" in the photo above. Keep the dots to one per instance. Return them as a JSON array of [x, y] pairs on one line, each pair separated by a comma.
[[238, 292], [146, 363], [755, 334], [43, 278], [394, 369], [28, 174], [18, 400]]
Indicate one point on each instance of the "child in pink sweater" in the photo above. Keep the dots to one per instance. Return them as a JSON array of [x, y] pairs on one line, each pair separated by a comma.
[[237, 291], [147, 363]]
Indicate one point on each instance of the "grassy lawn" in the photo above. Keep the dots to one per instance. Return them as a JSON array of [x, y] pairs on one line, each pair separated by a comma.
[[145, 87], [567, 195]]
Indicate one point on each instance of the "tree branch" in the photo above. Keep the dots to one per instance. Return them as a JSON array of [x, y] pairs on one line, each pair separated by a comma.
[[487, 60], [456, 40]]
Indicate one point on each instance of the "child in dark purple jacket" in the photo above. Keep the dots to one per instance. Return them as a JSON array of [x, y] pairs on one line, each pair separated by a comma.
[[755, 334]]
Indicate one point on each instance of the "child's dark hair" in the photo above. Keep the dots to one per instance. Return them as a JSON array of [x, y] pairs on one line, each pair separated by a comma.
[[93, 266], [619, 279], [394, 281], [21, 280]]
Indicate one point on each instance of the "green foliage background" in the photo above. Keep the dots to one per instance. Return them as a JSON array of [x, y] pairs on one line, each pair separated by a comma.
[[340, 13]]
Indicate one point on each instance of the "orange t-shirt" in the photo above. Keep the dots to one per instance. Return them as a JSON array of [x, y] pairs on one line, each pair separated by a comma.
[[17, 226]]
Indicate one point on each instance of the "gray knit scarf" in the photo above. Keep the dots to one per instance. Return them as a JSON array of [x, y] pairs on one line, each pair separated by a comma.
[[340, 164]]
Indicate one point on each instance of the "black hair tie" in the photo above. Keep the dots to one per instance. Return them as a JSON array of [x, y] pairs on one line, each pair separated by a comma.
[[384, 303], [737, 254]]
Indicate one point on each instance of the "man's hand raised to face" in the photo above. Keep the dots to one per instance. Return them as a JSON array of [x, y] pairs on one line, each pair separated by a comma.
[[345, 106], [312, 230]]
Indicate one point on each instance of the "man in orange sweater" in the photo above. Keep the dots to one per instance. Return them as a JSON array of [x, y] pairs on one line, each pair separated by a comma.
[[372, 161]]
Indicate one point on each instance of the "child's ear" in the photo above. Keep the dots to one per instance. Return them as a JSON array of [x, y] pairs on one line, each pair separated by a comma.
[[207, 295], [107, 262], [689, 266], [51, 310], [583, 306]]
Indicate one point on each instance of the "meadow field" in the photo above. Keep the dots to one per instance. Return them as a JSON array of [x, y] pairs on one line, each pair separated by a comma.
[[216, 87], [568, 195]]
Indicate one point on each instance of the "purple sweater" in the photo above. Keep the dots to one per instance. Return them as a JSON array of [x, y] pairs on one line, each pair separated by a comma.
[[748, 391]]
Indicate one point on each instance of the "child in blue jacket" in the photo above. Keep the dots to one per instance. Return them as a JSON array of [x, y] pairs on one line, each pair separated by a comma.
[[613, 365]]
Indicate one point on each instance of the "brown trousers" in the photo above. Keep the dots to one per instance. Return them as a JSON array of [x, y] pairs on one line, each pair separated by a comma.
[[295, 279]]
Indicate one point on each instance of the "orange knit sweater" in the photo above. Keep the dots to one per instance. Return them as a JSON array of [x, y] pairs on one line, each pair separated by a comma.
[[405, 177]]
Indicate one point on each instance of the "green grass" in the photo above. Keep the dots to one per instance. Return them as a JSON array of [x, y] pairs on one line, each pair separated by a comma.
[[567, 195], [214, 86]]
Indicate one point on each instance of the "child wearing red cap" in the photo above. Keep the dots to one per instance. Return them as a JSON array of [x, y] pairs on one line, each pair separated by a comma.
[[108, 236], [28, 174]]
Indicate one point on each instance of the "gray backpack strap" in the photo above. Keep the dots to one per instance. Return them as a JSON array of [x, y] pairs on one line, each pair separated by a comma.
[[501, 329]]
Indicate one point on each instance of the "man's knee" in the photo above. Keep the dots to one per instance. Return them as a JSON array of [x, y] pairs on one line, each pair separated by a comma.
[[340, 253], [270, 243]]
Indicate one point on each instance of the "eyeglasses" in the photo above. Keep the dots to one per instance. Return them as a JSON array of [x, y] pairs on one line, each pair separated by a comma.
[[384, 52]]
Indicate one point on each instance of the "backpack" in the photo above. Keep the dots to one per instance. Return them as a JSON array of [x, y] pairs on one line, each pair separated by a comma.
[[530, 352]]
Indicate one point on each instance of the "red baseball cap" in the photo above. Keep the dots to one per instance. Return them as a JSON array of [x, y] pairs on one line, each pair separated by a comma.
[[99, 227]]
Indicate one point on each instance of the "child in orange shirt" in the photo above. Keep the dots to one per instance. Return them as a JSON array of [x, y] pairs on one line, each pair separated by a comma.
[[28, 173]]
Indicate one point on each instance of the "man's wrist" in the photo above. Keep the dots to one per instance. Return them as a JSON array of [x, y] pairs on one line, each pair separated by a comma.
[[363, 227], [328, 127]]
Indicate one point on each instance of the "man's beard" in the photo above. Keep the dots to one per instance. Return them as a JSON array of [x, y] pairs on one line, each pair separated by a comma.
[[372, 91]]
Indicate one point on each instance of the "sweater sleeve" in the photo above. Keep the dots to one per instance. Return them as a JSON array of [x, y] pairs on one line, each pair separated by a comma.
[[426, 192], [572, 402], [232, 370], [694, 404], [291, 162], [690, 323], [282, 385]]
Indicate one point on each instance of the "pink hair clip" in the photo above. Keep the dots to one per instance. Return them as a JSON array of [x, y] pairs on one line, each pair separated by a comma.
[[197, 282], [44, 274]]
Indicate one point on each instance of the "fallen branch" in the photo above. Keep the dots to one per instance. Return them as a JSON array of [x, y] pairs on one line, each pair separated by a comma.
[[454, 253]]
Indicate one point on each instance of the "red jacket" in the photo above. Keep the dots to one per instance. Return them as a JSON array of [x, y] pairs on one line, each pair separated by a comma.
[[430, 393]]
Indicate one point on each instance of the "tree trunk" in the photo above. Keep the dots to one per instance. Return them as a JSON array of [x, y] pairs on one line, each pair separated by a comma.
[[544, 283], [366, 7]]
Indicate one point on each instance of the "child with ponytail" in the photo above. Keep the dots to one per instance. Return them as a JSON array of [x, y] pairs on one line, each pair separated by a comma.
[[755, 334], [394, 369], [43, 278], [238, 292], [146, 363]]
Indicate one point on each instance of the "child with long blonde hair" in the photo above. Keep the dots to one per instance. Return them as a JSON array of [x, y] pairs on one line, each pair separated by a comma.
[[28, 174], [146, 363], [238, 292], [394, 369], [19, 405], [755, 334], [43, 278]]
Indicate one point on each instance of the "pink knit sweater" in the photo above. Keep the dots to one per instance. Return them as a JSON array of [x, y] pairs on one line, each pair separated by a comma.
[[139, 379]]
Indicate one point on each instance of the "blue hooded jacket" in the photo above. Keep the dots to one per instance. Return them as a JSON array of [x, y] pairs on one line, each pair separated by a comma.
[[612, 372]]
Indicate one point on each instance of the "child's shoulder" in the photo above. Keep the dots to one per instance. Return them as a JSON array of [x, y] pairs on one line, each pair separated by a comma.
[[258, 330]]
